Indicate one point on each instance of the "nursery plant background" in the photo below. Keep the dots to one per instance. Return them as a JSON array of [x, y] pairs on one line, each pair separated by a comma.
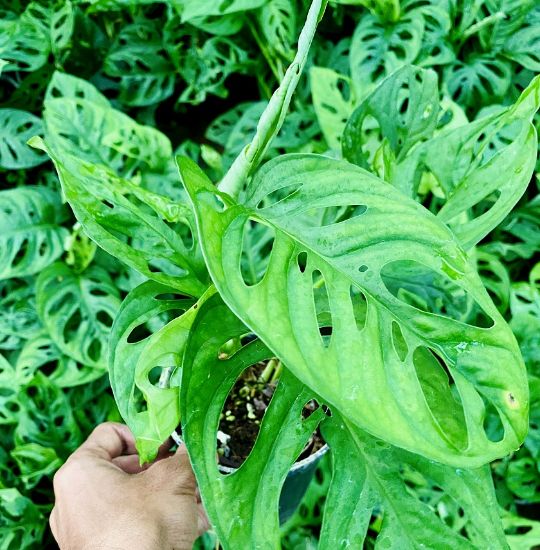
[[201, 73]]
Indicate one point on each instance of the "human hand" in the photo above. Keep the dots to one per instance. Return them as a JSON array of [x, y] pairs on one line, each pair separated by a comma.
[[106, 501]]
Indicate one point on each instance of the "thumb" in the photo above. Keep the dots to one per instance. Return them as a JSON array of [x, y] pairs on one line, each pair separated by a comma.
[[174, 473]]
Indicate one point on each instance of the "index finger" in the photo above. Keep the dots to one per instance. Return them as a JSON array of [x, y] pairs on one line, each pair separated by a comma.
[[110, 440]]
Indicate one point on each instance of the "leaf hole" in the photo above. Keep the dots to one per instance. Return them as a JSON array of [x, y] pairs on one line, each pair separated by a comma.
[[138, 334], [400, 345], [301, 261], [359, 305], [279, 195], [441, 395], [243, 411], [493, 426], [322, 307], [429, 291], [258, 241]]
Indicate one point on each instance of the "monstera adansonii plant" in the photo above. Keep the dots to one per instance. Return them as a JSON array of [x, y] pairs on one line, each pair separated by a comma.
[[371, 301]]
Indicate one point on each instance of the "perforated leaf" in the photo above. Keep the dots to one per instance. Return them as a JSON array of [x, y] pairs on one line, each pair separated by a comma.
[[78, 311], [243, 505], [406, 107], [480, 80], [145, 362], [333, 100], [46, 417], [490, 159], [192, 9], [21, 521], [277, 23], [16, 128], [523, 45], [23, 44], [40, 354], [139, 59], [30, 233], [369, 474], [80, 121], [146, 231], [389, 391], [378, 49]]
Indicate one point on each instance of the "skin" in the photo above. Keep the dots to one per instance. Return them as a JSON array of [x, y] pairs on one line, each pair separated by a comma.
[[104, 500]]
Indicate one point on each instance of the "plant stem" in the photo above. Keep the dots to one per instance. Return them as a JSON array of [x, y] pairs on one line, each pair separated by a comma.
[[266, 374], [477, 27], [273, 116]]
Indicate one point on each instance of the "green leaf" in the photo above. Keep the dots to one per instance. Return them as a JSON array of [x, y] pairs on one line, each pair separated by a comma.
[[46, 418], [333, 100], [369, 474], [18, 317], [21, 522], [146, 231], [389, 391], [505, 18], [406, 107], [78, 311], [192, 9], [139, 59], [55, 22], [145, 367], [35, 462], [277, 23], [472, 170], [23, 44], [17, 127], [378, 49], [30, 234], [523, 46], [522, 533], [41, 354], [243, 505], [480, 80], [80, 122]]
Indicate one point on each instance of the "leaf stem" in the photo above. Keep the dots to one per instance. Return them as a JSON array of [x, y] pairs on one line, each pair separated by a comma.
[[477, 27], [273, 116]]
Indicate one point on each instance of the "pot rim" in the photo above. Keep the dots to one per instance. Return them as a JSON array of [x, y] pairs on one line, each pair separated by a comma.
[[296, 466]]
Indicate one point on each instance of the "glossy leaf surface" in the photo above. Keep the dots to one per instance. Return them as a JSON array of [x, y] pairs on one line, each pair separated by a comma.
[[389, 391]]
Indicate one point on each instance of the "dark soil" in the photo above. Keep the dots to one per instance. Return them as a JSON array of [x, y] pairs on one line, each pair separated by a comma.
[[242, 415]]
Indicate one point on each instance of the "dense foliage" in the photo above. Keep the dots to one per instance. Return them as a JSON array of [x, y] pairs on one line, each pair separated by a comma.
[[380, 236]]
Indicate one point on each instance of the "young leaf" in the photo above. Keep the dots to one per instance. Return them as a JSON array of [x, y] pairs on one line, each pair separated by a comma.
[[387, 390], [78, 311], [149, 408], [378, 49], [272, 119], [30, 233]]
